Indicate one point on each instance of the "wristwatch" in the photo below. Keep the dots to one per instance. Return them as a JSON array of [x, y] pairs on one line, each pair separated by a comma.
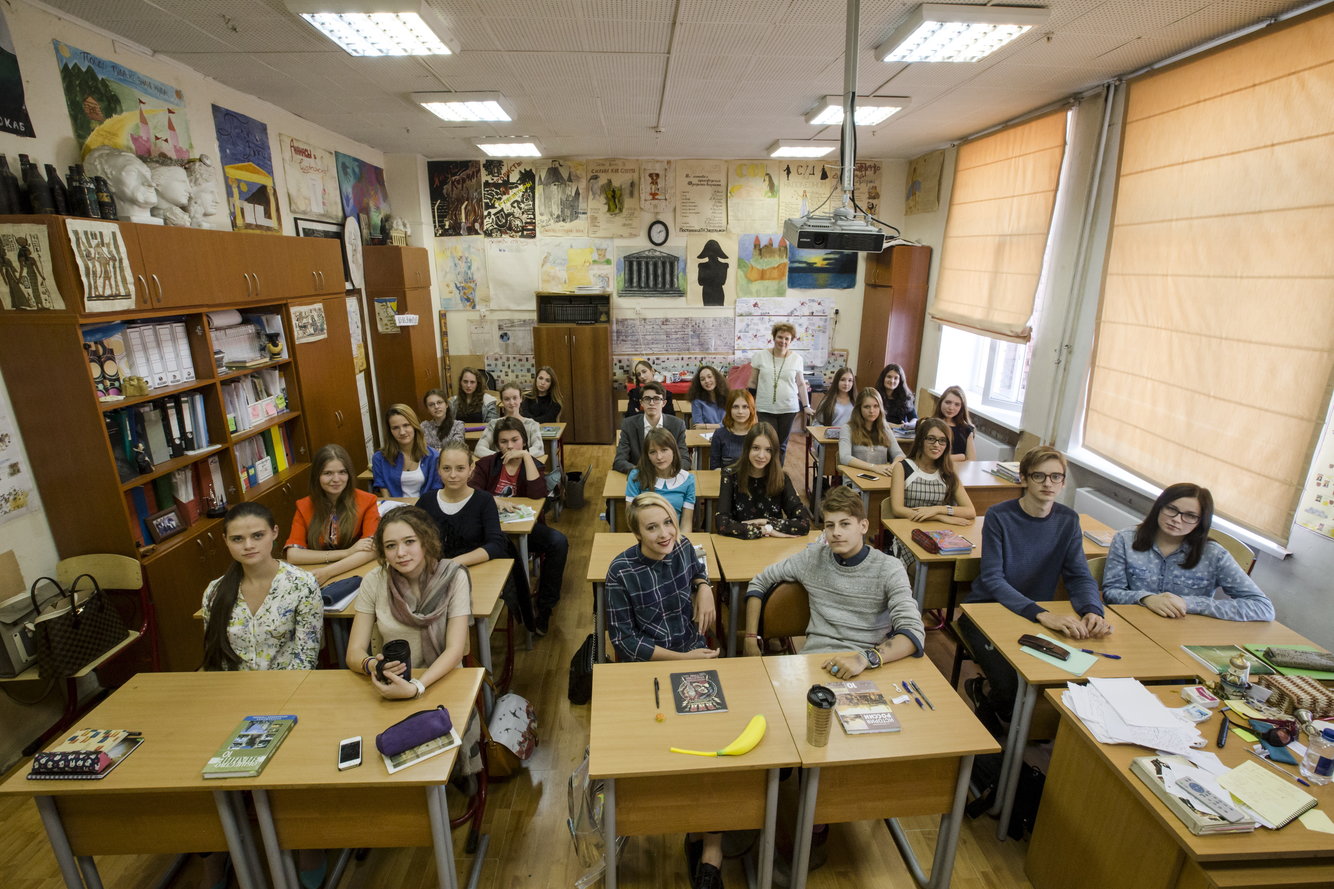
[[872, 658], [949, 510]]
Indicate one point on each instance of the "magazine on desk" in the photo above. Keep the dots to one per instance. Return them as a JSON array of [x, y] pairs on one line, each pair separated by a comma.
[[250, 747], [86, 755], [1160, 773], [862, 708]]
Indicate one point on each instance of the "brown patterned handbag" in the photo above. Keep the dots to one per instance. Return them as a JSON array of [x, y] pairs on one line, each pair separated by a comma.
[[75, 629]]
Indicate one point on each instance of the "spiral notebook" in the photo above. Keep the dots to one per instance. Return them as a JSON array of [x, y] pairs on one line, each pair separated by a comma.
[[1276, 801]]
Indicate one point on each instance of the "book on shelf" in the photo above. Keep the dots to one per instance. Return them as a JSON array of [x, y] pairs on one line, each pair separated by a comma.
[[166, 343], [86, 755], [249, 747], [1216, 658], [1160, 774], [862, 709], [183, 357]]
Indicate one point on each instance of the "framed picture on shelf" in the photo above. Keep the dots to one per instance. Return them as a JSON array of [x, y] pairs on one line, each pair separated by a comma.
[[164, 524]]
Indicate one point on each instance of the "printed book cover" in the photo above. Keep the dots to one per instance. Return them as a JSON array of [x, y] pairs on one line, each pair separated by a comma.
[[698, 692], [862, 708], [250, 747]]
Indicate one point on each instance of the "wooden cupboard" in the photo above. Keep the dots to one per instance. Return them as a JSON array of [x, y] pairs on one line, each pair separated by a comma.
[[893, 312], [580, 354], [407, 360], [328, 376]]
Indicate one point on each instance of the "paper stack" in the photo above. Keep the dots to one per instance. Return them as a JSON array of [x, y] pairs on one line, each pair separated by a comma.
[[1123, 711]]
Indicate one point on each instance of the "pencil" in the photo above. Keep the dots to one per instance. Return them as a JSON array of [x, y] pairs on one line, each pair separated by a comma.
[[657, 699], [917, 688]]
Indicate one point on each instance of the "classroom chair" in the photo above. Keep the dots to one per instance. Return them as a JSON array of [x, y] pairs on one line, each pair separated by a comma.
[[926, 403], [785, 612], [1027, 442], [1240, 551]]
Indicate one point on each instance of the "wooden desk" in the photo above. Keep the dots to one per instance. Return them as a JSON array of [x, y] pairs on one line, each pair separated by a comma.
[[708, 485], [1150, 847], [1141, 658], [302, 787], [519, 531], [937, 573], [821, 460], [698, 442], [1200, 629], [649, 790], [920, 770], [156, 801], [607, 546], [741, 560], [984, 489]]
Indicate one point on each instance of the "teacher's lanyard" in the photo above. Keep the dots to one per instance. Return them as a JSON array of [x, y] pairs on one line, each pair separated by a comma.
[[778, 375]]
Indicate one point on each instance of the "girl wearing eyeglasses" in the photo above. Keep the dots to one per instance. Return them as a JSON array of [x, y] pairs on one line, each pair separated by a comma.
[[1169, 565], [925, 487], [1029, 545]]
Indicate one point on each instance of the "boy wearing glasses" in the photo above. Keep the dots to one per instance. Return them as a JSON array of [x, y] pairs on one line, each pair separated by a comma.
[[634, 428], [1028, 546]]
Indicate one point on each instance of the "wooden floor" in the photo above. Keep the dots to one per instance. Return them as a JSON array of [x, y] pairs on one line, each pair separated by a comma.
[[526, 815]]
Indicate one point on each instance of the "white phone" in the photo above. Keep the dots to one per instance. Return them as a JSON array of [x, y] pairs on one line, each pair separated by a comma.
[[349, 753]]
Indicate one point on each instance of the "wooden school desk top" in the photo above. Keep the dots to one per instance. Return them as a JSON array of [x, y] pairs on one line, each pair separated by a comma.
[[608, 545], [740, 560], [902, 530], [1200, 629], [708, 484]]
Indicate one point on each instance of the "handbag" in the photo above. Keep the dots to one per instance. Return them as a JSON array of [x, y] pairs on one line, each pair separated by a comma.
[[414, 730], [511, 735], [581, 673], [68, 637]]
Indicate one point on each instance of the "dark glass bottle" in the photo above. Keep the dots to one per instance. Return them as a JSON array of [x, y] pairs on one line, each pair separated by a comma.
[[106, 202], [9, 188], [77, 200], [89, 193], [59, 196], [39, 194]]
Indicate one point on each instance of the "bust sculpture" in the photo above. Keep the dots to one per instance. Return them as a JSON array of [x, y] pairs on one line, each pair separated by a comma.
[[173, 191], [129, 178], [203, 191]]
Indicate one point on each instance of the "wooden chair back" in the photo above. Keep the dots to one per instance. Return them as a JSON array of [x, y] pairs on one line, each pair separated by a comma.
[[1096, 566], [786, 612], [1241, 552], [1027, 442], [926, 403]]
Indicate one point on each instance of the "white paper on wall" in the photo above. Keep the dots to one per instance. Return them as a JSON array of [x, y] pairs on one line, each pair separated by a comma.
[[513, 273]]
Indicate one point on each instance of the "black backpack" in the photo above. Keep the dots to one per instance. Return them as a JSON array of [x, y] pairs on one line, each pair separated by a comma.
[[581, 672]]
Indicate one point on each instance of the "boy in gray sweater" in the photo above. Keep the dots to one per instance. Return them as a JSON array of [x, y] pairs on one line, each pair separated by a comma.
[[860, 598]]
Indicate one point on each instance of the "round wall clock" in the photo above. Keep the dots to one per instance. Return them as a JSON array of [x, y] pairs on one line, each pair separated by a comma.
[[657, 233]]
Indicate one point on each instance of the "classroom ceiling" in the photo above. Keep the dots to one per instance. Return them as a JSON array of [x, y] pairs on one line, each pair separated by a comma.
[[661, 78]]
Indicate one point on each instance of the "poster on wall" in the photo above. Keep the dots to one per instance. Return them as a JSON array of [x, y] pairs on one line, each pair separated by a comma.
[[657, 182], [514, 336], [110, 104], [513, 273], [25, 269], [922, 194], [821, 269], [364, 195], [712, 275], [508, 199], [386, 308], [309, 323], [761, 267], [461, 265], [812, 316], [104, 265], [803, 186], [247, 169], [16, 485], [312, 181], [647, 272], [1315, 509], [13, 107], [866, 186], [353, 306], [456, 197], [613, 198], [569, 265], [701, 196], [562, 200], [752, 196]]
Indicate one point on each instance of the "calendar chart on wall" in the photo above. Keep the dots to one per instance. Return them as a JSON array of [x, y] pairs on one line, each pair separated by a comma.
[[812, 316]]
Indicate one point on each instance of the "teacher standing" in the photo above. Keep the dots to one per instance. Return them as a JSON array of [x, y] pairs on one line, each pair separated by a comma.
[[777, 376]]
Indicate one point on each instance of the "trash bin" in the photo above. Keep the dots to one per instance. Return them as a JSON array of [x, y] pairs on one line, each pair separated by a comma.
[[574, 487]]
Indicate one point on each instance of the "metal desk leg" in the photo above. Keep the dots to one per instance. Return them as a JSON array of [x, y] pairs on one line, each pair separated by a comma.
[[733, 603], [994, 811], [947, 839], [242, 820], [268, 832], [482, 625], [90, 874], [767, 834], [801, 844], [1026, 698], [59, 840], [599, 621], [611, 513], [443, 841], [817, 487], [609, 832], [919, 584], [242, 855]]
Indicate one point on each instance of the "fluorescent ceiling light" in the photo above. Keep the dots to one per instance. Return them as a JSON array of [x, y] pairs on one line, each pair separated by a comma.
[[801, 148], [378, 27], [935, 32], [465, 107], [868, 112], [510, 148]]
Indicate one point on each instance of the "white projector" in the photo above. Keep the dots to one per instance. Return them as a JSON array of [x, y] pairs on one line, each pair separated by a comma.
[[840, 231]]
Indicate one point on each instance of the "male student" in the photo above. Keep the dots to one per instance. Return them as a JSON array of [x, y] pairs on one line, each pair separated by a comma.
[[860, 599], [634, 428]]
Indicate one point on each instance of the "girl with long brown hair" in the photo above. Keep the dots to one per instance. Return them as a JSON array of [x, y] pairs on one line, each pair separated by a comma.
[[474, 404], [866, 442], [405, 466], [757, 498], [543, 402], [333, 525]]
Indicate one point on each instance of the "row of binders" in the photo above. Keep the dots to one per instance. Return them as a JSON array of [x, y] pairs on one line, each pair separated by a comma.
[[187, 489], [254, 399], [258, 459], [158, 352], [161, 430]]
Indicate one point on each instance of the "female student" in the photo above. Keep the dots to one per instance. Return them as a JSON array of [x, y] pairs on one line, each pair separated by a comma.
[[659, 470], [837, 405], [894, 391], [643, 373], [867, 442], [405, 466], [924, 487], [473, 404], [333, 527], [708, 397], [725, 443], [442, 424], [469, 523], [953, 409], [1028, 545], [659, 606], [543, 402], [513, 472], [757, 498], [777, 376], [1169, 565], [511, 403]]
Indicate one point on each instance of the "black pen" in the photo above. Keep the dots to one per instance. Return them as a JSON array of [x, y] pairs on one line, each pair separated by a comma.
[[1115, 657], [917, 688], [657, 698], [907, 686], [1222, 729]]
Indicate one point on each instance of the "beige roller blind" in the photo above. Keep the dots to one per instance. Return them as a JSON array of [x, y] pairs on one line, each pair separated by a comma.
[[1215, 340], [1000, 214]]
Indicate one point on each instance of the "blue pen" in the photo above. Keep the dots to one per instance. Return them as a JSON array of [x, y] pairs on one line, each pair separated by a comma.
[[1115, 657], [908, 688]]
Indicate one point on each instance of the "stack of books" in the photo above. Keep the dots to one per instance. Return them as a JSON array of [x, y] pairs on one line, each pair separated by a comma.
[[1008, 470], [87, 755]]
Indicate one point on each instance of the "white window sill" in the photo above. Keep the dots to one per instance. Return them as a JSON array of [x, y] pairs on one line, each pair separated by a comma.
[[1089, 460]]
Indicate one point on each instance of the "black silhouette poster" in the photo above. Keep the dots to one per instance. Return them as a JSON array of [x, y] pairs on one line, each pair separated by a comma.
[[456, 197], [13, 106], [711, 270]]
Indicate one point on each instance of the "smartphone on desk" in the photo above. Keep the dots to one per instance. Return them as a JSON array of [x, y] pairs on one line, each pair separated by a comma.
[[349, 753], [868, 476]]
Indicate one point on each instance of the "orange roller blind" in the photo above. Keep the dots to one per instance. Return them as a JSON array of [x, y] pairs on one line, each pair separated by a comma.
[[1000, 215], [1215, 342]]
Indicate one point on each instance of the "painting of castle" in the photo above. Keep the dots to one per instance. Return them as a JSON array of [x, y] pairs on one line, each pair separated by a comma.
[[761, 266]]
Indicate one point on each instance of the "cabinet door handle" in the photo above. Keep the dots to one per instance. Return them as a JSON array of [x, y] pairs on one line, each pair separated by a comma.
[[158, 284], [256, 274], [246, 275], [338, 415], [144, 284], [316, 275], [319, 280]]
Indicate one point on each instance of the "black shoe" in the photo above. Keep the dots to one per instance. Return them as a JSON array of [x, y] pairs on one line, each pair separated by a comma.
[[982, 709], [819, 847], [693, 849], [542, 623], [708, 877]]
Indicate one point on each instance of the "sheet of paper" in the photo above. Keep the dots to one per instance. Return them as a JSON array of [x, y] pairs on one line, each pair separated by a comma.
[[1135, 703], [1207, 761], [1273, 798], [1245, 710], [1078, 663], [1317, 820]]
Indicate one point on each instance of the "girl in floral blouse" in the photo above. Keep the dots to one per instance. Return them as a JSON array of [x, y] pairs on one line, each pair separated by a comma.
[[263, 614], [757, 498]]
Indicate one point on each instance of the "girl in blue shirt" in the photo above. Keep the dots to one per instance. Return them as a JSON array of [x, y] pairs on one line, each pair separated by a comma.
[[708, 397], [660, 471], [1169, 565], [406, 465]]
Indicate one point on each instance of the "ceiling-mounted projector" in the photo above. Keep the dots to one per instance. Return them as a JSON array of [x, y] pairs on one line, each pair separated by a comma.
[[841, 230]]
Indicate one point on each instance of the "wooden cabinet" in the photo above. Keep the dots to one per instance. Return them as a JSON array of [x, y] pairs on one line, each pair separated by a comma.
[[580, 354], [893, 312], [177, 578], [406, 361], [314, 265], [329, 387], [397, 268]]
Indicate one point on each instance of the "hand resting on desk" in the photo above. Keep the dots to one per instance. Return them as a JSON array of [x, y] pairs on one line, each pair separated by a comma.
[[1091, 626], [1165, 605]]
